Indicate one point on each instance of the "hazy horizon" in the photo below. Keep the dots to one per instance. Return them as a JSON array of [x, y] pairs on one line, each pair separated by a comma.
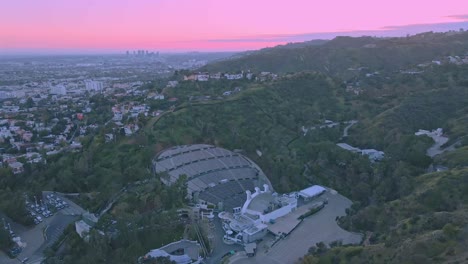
[[104, 27], [400, 32]]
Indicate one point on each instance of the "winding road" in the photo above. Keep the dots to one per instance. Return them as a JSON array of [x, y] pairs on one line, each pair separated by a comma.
[[350, 124]]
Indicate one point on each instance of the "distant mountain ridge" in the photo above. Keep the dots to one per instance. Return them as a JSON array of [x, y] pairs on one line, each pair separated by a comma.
[[341, 53]]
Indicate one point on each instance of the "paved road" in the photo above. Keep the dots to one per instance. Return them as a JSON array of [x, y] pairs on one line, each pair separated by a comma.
[[55, 229], [435, 149], [351, 123], [320, 227]]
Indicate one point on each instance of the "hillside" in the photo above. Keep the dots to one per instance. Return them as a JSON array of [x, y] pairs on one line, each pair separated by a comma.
[[411, 216], [268, 117], [428, 226], [341, 53]]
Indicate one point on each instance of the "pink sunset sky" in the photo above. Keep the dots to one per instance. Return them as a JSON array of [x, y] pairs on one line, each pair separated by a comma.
[[211, 25]]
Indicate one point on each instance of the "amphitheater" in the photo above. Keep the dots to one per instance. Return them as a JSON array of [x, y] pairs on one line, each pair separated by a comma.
[[214, 175]]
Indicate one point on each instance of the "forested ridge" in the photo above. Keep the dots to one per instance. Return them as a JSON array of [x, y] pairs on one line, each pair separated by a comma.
[[338, 55]]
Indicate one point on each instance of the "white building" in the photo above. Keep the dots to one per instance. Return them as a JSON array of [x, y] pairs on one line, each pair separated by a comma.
[[58, 90], [434, 133], [348, 147], [311, 192], [16, 167], [252, 221], [159, 97], [117, 116], [5, 133], [267, 206], [6, 95], [234, 76], [372, 154], [172, 84], [156, 96], [203, 77], [84, 226], [215, 76], [19, 94], [94, 86]]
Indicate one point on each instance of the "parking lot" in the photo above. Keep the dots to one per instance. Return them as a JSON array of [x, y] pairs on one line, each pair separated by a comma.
[[71, 208], [43, 207], [48, 230]]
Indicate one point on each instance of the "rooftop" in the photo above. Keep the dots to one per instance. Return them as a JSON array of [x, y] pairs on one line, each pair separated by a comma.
[[312, 191]]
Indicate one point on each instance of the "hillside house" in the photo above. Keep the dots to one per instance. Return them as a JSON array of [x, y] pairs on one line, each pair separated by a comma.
[[16, 167]]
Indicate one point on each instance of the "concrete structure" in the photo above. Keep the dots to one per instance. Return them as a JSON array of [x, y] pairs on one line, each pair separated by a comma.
[[6, 95], [58, 90], [320, 227], [214, 175], [203, 77], [261, 210], [234, 76], [311, 192], [215, 76], [180, 252], [117, 116], [172, 84], [268, 206], [374, 155], [250, 249], [94, 86], [83, 226], [348, 147], [241, 229], [16, 167]]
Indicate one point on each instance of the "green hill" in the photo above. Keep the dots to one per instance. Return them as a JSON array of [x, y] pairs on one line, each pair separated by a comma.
[[341, 53], [428, 226], [410, 216]]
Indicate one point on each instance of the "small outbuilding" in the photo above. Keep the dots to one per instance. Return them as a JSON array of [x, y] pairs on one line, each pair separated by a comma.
[[311, 192]]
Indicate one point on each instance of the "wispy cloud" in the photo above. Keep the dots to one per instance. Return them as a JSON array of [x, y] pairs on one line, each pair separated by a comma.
[[431, 27], [388, 31], [459, 17]]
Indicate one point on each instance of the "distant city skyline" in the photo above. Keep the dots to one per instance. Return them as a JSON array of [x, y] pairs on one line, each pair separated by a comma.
[[91, 26]]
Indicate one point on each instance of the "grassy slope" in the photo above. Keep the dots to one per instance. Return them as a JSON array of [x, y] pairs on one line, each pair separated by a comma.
[[428, 226]]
